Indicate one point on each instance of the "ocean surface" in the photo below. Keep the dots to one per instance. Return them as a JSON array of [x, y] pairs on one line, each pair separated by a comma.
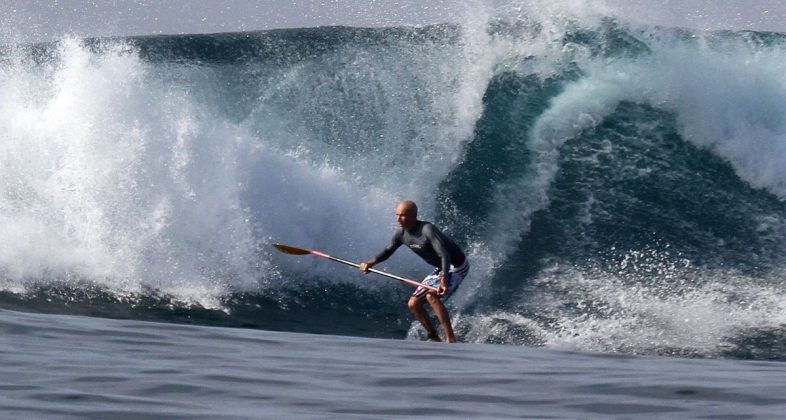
[[72, 367], [620, 192]]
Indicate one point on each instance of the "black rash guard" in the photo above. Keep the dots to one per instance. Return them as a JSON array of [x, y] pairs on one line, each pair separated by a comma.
[[429, 243]]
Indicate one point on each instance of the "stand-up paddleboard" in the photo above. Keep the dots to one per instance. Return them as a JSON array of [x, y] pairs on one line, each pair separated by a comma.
[[291, 250]]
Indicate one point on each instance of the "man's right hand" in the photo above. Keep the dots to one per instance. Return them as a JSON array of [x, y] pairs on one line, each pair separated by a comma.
[[365, 266]]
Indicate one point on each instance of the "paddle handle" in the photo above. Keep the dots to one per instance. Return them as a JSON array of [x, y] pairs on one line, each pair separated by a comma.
[[381, 273]]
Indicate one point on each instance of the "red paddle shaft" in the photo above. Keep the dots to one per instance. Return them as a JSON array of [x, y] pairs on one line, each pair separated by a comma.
[[381, 273]]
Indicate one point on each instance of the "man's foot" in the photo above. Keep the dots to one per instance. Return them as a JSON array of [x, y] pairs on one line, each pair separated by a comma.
[[432, 336]]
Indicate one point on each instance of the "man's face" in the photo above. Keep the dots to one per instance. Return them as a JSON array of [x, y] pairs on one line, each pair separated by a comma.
[[405, 216]]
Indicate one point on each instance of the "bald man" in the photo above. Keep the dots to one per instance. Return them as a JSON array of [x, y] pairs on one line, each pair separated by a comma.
[[437, 250]]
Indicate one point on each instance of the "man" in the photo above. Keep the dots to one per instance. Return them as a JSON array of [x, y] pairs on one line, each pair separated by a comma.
[[436, 249]]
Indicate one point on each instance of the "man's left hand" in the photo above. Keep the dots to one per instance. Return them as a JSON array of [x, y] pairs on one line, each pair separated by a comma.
[[443, 286]]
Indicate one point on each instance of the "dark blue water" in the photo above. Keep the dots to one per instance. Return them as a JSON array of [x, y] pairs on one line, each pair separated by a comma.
[[617, 189], [58, 366]]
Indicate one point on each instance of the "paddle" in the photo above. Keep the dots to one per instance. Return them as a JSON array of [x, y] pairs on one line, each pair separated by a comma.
[[291, 250]]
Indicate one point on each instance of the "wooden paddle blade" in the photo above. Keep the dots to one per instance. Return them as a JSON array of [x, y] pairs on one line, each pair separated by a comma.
[[292, 250]]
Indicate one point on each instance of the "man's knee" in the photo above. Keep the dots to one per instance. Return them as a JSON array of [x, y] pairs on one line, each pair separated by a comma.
[[433, 299], [413, 304]]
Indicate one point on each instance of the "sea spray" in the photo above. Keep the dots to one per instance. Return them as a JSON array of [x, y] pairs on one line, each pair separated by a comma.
[[101, 184]]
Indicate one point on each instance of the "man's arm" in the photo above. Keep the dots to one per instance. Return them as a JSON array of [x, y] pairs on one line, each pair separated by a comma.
[[435, 238], [395, 242]]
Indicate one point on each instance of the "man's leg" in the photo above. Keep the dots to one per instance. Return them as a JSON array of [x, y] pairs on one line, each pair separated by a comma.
[[416, 306], [442, 315]]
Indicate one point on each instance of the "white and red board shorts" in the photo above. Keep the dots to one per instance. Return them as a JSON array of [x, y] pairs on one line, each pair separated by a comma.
[[457, 275]]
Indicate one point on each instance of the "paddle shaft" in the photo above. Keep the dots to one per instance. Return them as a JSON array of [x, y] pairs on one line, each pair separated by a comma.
[[381, 273]]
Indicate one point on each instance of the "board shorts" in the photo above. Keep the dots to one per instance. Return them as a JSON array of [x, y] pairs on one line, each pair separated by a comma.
[[457, 275]]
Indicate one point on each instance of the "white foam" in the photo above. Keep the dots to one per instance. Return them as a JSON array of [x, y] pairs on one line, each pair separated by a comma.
[[646, 304], [104, 177], [674, 310]]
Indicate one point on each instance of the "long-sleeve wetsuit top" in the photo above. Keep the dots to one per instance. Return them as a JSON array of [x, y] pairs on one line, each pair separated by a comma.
[[429, 243]]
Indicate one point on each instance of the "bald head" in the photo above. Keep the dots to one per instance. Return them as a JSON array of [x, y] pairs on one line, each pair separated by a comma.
[[407, 214], [409, 206]]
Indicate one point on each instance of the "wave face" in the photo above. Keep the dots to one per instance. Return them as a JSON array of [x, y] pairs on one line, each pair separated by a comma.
[[617, 188]]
